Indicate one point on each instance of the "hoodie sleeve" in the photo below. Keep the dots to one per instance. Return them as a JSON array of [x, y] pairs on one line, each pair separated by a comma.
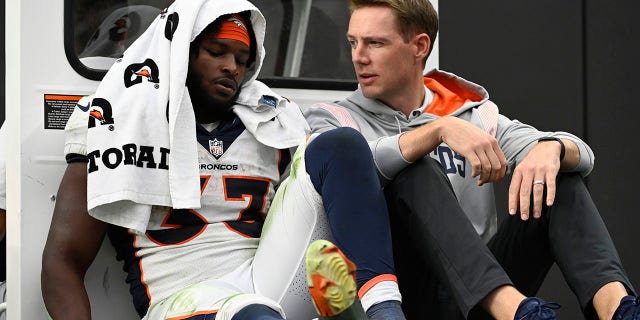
[[386, 150], [516, 140], [388, 157], [320, 118]]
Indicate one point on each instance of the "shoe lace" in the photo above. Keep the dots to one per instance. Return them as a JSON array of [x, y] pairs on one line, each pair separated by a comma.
[[538, 312]]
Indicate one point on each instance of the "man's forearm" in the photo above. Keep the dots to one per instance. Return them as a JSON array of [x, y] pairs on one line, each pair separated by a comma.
[[571, 156], [420, 142]]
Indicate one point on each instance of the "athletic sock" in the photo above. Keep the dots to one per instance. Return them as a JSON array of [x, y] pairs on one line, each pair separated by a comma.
[[386, 310]]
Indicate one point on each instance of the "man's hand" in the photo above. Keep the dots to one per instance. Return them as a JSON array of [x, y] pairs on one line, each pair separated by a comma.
[[536, 171], [478, 147]]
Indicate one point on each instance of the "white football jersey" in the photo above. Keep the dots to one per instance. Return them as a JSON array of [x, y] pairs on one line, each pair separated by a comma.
[[238, 178]]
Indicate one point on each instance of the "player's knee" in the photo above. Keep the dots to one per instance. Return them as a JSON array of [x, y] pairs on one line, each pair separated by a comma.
[[341, 142]]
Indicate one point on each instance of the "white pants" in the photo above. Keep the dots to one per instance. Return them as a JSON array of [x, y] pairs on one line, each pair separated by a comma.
[[276, 277]]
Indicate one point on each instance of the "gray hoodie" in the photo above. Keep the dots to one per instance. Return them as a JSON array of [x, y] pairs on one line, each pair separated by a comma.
[[451, 96]]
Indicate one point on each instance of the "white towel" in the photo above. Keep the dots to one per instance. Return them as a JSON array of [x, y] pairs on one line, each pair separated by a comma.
[[143, 122]]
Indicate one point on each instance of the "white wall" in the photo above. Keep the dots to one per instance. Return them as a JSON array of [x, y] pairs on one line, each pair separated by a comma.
[[36, 65]]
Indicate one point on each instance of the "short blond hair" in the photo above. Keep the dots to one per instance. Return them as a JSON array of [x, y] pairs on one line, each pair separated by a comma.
[[413, 16]]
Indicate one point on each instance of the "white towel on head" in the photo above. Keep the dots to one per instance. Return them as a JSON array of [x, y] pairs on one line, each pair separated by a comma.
[[141, 141]]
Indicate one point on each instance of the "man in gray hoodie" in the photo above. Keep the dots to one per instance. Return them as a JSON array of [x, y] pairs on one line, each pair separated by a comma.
[[439, 143]]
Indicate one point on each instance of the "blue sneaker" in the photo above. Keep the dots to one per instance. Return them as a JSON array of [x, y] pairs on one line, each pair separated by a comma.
[[629, 309], [534, 308]]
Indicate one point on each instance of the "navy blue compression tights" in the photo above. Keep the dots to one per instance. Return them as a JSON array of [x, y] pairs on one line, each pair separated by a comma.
[[343, 172], [257, 312]]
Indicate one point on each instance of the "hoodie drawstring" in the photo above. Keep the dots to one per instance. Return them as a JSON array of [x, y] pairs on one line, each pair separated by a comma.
[[398, 122]]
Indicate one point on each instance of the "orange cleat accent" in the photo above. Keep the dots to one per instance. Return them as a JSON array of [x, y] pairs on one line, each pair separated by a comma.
[[331, 277]]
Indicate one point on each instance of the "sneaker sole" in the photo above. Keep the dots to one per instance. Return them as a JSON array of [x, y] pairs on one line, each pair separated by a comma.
[[331, 278]]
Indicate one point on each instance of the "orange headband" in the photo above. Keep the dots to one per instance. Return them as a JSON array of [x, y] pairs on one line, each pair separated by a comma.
[[234, 28]]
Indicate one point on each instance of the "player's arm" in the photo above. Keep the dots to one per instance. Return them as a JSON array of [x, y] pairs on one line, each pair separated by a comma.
[[73, 242]]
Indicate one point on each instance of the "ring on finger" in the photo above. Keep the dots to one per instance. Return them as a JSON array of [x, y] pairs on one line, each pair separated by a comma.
[[538, 182]]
